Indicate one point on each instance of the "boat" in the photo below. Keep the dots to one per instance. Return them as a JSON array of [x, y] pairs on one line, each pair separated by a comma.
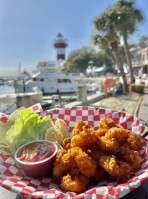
[[1, 81], [49, 82]]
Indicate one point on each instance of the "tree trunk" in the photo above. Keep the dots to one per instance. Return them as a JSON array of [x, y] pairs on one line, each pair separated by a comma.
[[119, 63], [128, 58]]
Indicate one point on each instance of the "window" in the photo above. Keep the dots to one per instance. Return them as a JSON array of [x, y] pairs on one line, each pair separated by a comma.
[[65, 80], [60, 80], [41, 80]]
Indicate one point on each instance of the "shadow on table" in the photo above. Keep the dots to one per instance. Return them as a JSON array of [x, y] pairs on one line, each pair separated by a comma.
[[139, 193]]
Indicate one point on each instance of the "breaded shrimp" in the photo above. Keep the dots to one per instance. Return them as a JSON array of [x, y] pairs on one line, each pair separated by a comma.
[[86, 164], [95, 152], [79, 125], [108, 145], [106, 123], [84, 140], [109, 163], [66, 144], [118, 133], [100, 174], [100, 132], [130, 156], [77, 183], [120, 170], [63, 162], [134, 141], [75, 156], [124, 171]]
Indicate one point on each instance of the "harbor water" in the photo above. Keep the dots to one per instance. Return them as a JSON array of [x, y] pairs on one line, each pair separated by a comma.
[[6, 90]]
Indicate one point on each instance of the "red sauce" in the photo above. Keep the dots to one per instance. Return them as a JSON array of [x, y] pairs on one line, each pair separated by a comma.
[[36, 152]]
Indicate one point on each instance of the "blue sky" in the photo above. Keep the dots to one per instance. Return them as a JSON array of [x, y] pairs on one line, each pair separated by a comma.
[[28, 28]]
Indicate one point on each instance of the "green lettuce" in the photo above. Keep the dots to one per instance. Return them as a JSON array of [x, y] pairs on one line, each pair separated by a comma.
[[4, 127], [22, 128]]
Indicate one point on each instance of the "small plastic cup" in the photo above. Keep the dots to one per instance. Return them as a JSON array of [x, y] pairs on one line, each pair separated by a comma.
[[38, 168]]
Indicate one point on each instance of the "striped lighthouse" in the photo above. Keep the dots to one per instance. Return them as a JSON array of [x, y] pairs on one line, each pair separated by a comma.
[[60, 44]]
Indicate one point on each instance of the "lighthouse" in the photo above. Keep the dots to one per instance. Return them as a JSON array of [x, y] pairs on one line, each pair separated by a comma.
[[60, 44]]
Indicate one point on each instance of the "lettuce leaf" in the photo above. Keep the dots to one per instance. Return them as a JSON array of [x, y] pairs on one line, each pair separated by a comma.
[[27, 127], [4, 127]]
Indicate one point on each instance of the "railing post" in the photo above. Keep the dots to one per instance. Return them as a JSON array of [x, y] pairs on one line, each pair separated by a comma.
[[82, 94]]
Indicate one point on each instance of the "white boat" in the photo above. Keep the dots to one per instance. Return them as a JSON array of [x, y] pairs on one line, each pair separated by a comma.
[[53, 82]]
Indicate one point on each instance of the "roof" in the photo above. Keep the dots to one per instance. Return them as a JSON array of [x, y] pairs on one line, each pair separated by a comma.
[[142, 50], [103, 69], [47, 63], [99, 69]]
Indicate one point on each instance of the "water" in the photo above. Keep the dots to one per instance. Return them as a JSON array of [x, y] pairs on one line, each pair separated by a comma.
[[7, 99], [6, 90]]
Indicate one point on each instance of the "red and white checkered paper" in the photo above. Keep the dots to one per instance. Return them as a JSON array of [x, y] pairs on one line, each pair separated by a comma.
[[14, 180]]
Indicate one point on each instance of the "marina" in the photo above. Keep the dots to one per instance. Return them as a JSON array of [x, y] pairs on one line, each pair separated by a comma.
[[51, 86], [6, 90], [9, 100], [49, 83]]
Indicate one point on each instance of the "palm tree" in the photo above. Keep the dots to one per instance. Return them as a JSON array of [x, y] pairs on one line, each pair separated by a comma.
[[105, 35], [127, 16]]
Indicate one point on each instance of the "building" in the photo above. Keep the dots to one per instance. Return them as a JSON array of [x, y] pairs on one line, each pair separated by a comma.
[[59, 44], [140, 60], [47, 66]]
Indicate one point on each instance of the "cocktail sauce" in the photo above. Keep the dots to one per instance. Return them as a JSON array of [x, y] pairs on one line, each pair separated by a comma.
[[35, 152]]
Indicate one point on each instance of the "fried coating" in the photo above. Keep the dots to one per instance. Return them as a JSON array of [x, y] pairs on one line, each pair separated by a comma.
[[118, 133], [106, 123], [79, 126], [85, 163], [84, 140], [124, 171], [95, 152], [66, 144], [100, 174], [94, 155], [66, 160], [130, 156], [109, 163], [120, 170], [74, 170], [77, 183], [63, 162], [100, 132], [108, 145], [134, 141]]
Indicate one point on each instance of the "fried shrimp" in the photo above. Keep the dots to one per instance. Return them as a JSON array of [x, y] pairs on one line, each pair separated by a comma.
[[63, 162], [134, 141], [66, 144], [83, 140], [106, 123], [66, 160], [108, 145], [100, 174], [95, 153], [130, 156], [109, 163], [90, 155], [77, 183], [118, 133], [100, 132], [85, 163], [79, 126], [124, 171], [120, 170]]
